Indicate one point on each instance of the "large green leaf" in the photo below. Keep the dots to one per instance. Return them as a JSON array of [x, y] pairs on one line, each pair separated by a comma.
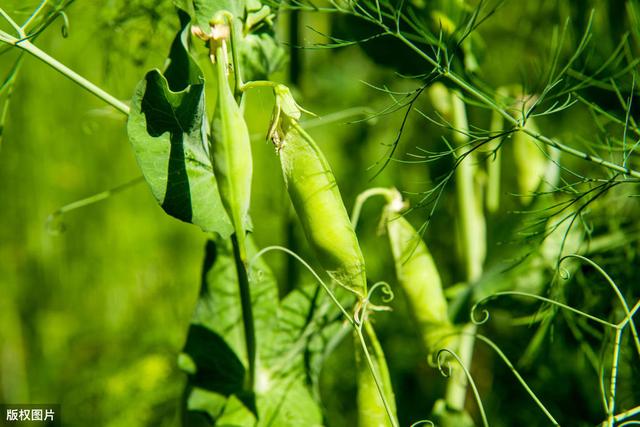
[[167, 129], [288, 333], [206, 9], [182, 70], [259, 53]]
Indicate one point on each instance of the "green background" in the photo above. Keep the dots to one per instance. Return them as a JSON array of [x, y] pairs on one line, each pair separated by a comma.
[[95, 304]]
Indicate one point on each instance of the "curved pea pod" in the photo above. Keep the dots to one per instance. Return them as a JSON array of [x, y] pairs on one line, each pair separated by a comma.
[[371, 409], [316, 199], [230, 151], [419, 279]]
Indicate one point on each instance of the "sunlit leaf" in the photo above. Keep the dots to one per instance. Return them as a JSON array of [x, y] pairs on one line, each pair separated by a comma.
[[214, 355], [167, 129]]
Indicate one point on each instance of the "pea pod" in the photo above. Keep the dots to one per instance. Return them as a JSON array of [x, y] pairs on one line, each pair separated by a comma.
[[371, 409], [531, 161], [230, 150], [316, 198], [418, 277]]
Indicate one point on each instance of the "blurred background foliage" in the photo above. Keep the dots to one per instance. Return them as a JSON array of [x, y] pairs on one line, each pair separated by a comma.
[[95, 303]]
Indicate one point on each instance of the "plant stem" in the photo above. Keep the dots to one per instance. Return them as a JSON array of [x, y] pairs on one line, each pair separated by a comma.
[[237, 81], [614, 376], [494, 159], [289, 219], [26, 45], [8, 86], [521, 380], [375, 371], [482, 97], [627, 414], [388, 193], [34, 14], [95, 198], [456, 392], [469, 206], [472, 230], [11, 22], [382, 384], [383, 370], [75, 77], [247, 312]]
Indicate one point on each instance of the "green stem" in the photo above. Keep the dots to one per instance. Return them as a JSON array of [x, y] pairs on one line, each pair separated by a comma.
[[456, 392], [482, 97], [237, 81], [627, 414], [247, 311], [383, 369], [580, 154], [521, 380], [494, 159], [616, 290], [11, 22], [98, 197], [35, 13], [357, 327], [26, 45], [388, 194], [614, 377], [376, 377], [469, 212], [75, 77], [8, 86], [466, 376], [473, 242], [540, 298]]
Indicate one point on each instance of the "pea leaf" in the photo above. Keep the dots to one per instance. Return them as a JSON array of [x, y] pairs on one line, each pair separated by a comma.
[[206, 9], [288, 332], [182, 70], [167, 129], [260, 55]]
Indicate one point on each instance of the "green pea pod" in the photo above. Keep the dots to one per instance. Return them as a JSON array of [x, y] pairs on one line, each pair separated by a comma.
[[230, 152], [371, 409], [316, 198], [419, 279], [531, 162]]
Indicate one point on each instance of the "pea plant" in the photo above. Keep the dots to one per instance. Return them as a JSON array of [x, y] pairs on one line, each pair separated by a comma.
[[534, 217]]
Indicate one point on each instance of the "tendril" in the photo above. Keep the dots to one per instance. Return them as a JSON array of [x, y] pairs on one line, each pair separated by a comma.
[[616, 290], [543, 299], [484, 313], [443, 363], [385, 288], [476, 394], [311, 270], [64, 30], [354, 322], [521, 380], [55, 221], [423, 422], [387, 193], [364, 306]]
